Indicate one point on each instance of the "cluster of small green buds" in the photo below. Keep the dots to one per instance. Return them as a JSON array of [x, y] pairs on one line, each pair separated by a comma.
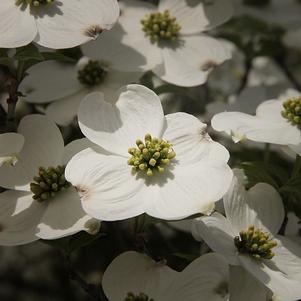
[[257, 2], [292, 111], [34, 3], [256, 243], [92, 73], [140, 297], [152, 155], [48, 183], [161, 26]]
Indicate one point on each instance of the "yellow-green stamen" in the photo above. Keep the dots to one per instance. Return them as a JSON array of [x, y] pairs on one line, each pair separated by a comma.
[[256, 243], [140, 297], [152, 155], [48, 183], [161, 26], [92, 74], [34, 3], [292, 111]]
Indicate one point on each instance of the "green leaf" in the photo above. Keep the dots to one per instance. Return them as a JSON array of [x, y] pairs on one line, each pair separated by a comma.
[[29, 52], [73, 243], [257, 173], [57, 56]]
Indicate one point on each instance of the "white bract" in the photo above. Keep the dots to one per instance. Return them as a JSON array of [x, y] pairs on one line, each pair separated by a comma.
[[10, 146], [276, 121], [72, 83], [132, 274], [169, 38], [54, 23], [41, 205], [176, 172], [247, 237]]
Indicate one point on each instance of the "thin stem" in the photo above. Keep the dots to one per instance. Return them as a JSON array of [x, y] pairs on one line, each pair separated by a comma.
[[267, 152], [12, 103], [244, 80]]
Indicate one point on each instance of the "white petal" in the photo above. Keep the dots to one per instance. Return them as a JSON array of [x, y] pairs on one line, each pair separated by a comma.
[[17, 26], [132, 12], [64, 216], [218, 234], [244, 286], [206, 278], [43, 146], [189, 63], [107, 188], [120, 56], [255, 128], [74, 22], [186, 190], [196, 16], [191, 141], [10, 147], [63, 111], [285, 286], [295, 148], [75, 147], [48, 81], [253, 207], [19, 216], [116, 128], [271, 110], [146, 276]]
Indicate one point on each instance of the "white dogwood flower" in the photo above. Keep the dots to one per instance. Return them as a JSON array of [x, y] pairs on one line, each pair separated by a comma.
[[166, 166], [72, 83], [10, 146], [135, 276], [54, 23], [41, 204], [276, 121], [247, 237], [169, 38]]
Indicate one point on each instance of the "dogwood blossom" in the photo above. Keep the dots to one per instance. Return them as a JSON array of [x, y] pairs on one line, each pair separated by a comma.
[[54, 23], [169, 38], [175, 172], [247, 237], [72, 83], [41, 204], [276, 121], [10, 147], [132, 274]]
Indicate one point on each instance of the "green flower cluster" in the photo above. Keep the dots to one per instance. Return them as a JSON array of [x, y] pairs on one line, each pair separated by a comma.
[[154, 154], [161, 26], [48, 183], [255, 243], [292, 111], [92, 74]]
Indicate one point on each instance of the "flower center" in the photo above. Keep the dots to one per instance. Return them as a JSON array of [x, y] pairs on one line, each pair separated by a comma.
[[292, 111], [161, 26], [92, 73], [48, 183], [255, 243], [140, 297], [34, 3], [154, 154]]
